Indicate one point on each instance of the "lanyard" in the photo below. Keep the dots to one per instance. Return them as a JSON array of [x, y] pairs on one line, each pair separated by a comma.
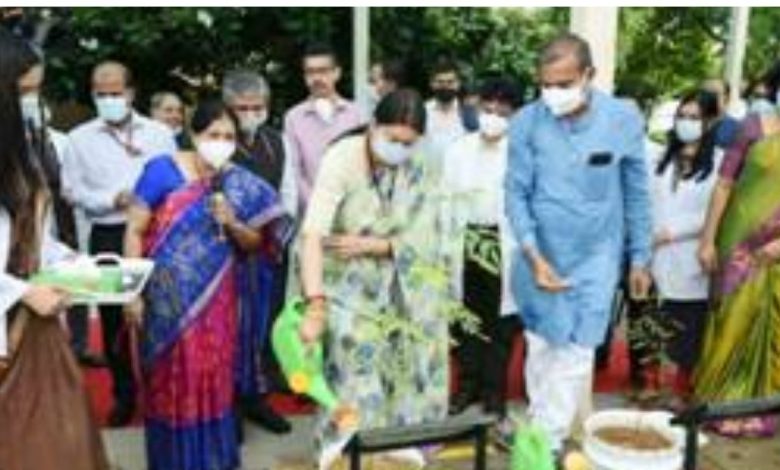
[[130, 149], [385, 201]]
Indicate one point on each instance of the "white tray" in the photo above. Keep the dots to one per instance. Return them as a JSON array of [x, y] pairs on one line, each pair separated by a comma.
[[136, 270]]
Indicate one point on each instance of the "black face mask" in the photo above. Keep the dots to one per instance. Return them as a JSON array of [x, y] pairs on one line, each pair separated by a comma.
[[445, 95]]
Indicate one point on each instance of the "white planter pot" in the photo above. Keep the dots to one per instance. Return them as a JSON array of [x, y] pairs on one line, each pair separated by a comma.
[[606, 456]]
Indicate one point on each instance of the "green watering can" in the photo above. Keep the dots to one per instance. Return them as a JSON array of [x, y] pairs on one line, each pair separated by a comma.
[[531, 449], [302, 364]]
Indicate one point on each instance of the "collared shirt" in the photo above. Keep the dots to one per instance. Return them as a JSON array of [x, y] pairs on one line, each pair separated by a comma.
[[100, 162], [310, 135], [442, 128], [679, 208], [472, 176], [577, 190]]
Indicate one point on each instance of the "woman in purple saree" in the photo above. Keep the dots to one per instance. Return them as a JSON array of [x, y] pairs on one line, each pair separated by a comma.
[[195, 215]]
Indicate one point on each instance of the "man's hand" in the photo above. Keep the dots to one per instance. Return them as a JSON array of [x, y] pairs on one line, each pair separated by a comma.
[[639, 282], [123, 200], [545, 276]]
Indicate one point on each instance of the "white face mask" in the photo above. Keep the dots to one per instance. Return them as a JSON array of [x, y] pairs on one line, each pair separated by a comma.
[[325, 109], [689, 130], [493, 126], [251, 121], [763, 107], [31, 110], [216, 153], [390, 153], [112, 109], [563, 101]]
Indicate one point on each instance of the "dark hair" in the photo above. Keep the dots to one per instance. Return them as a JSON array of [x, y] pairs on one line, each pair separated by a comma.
[[445, 65], [394, 70], [404, 106], [501, 89], [772, 81], [20, 179], [316, 49], [704, 160], [208, 111], [564, 45]]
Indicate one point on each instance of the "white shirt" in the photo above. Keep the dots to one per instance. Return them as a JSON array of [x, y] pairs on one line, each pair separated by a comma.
[[12, 288], [60, 142], [288, 188], [97, 166], [473, 176], [441, 130], [681, 211]]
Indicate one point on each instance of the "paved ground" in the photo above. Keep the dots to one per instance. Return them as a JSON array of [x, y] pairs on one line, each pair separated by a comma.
[[263, 451]]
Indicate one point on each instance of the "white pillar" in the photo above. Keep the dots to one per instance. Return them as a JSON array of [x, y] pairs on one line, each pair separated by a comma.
[[360, 54], [598, 26], [735, 53]]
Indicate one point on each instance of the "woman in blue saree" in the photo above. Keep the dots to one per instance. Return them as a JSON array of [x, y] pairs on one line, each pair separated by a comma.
[[196, 215]]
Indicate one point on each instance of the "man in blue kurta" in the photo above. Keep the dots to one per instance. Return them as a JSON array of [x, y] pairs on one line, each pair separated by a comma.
[[577, 200]]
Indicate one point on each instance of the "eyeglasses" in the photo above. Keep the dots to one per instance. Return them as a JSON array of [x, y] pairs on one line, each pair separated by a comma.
[[318, 70], [245, 108]]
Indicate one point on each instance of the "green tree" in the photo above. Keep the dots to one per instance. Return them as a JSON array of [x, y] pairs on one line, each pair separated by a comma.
[[763, 42], [664, 51]]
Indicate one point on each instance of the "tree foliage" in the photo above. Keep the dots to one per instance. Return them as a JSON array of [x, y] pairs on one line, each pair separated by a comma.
[[661, 51]]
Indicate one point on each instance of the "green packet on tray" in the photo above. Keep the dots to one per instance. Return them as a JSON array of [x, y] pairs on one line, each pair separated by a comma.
[[105, 279]]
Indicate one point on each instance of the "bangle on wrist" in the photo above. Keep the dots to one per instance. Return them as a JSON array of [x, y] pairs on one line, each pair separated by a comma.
[[317, 298]]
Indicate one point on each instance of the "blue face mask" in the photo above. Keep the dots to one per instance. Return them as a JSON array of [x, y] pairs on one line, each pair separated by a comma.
[[112, 109]]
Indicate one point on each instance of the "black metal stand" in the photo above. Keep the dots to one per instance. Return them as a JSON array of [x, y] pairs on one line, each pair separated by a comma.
[[455, 429], [696, 416]]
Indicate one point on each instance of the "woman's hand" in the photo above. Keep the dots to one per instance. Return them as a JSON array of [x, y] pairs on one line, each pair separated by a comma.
[[769, 253], [222, 210], [46, 301], [134, 312], [313, 324], [708, 255], [354, 246]]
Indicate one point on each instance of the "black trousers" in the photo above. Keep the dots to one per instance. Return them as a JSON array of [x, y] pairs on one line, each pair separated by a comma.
[[272, 371], [483, 361], [110, 239], [687, 320], [78, 324]]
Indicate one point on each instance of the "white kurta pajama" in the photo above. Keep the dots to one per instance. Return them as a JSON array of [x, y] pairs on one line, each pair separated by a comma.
[[575, 190]]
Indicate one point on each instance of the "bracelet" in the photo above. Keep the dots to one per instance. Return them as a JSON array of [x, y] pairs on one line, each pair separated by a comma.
[[310, 299]]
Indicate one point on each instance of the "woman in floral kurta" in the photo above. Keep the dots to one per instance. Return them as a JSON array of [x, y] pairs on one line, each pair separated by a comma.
[[371, 245]]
